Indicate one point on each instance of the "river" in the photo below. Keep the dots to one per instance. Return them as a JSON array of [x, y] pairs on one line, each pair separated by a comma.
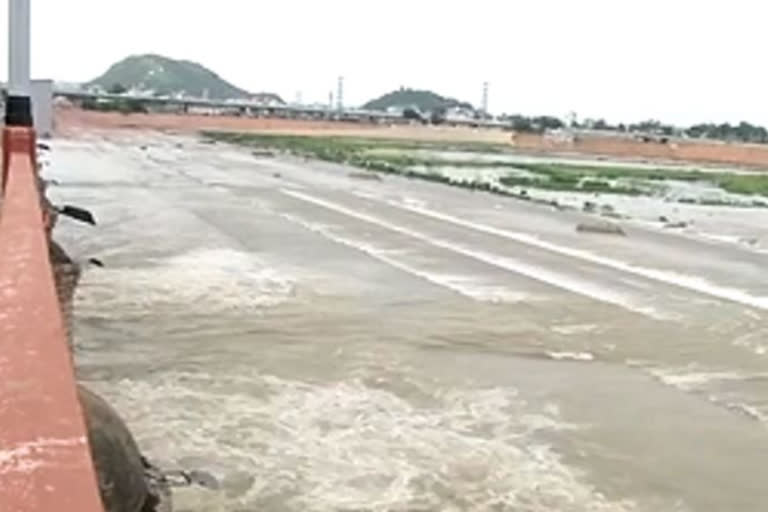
[[320, 342]]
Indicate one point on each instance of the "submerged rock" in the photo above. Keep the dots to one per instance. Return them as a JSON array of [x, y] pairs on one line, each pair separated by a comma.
[[124, 477], [676, 225], [370, 176], [753, 241], [601, 227]]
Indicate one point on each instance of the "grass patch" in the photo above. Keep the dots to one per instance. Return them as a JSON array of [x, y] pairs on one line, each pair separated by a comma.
[[362, 152], [309, 143]]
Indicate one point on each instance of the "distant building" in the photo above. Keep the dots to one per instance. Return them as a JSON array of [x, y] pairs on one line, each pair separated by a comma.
[[266, 98], [560, 136], [42, 107], [458, 114]]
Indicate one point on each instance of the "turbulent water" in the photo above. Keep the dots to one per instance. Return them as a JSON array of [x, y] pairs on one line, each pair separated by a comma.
[[324, 343]]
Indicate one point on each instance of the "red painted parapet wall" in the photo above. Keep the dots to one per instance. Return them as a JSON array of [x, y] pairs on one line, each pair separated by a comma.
[[45, 463]]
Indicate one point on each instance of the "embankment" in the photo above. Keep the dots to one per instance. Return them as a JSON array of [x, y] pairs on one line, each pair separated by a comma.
[[711, 152], [70, 121]]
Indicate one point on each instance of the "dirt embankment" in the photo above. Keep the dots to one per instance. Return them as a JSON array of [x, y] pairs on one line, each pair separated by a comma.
[[710, 152], [71, 121]]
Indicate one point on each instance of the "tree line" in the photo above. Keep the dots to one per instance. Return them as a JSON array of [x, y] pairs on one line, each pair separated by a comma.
[[742, 132]]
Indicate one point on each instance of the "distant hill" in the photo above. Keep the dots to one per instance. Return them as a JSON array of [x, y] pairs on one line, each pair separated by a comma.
[[425, 101], [166, 76]]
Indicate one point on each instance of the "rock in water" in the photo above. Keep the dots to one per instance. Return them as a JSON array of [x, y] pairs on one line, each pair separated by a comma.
[[121, 470], [66, 274], [600, 226], [370, 176]]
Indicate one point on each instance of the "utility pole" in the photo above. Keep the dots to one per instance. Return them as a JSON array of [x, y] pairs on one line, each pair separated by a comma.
[[340, 95], [18, 106], [485, 97]]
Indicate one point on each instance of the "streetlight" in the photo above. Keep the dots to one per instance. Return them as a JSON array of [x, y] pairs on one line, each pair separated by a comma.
[[18, 106]]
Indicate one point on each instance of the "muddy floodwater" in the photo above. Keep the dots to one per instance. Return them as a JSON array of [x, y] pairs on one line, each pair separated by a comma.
[[325, 343]]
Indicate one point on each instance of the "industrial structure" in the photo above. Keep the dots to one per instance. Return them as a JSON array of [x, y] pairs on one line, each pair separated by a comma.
[[340, 95]]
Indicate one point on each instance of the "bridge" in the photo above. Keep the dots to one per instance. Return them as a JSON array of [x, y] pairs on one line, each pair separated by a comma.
[[45, 462], [254, 109]]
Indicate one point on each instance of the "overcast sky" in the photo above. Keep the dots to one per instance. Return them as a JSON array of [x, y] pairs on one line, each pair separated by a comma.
[[680, 61]]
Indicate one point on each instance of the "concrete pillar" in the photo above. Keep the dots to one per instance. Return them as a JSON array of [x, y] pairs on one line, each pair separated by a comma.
[[41, 93], [18, 110], [19, 47]]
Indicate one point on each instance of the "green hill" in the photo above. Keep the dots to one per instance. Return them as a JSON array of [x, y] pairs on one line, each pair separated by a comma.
[[425, 101], [167, 76]]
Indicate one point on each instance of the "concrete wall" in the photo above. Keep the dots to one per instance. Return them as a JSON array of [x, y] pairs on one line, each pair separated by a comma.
[[42, 106]]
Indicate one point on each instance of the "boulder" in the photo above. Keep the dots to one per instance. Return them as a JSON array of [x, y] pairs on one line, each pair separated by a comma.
[[601, 227], [124, 476]]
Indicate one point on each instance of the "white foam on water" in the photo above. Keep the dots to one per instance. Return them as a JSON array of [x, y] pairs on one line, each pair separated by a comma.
[[690, 379], [694, 283], [713, 385], [571, 356], [415, 202], [468, 286], [211, 279], [747, 410], [344, 445], [721, 238], [486, 292], [754, 341], [556, 279], [570, 329]]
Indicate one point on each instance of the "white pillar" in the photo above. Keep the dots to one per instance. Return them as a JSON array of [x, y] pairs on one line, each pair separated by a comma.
[[19, 22]]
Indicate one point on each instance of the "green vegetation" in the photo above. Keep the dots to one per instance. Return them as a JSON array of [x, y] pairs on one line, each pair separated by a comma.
[[117, 89], [749, 184], [398, 157], [600, 179], [742, 132], [424, 101], [536, 124], [167, 76], [317, 145]]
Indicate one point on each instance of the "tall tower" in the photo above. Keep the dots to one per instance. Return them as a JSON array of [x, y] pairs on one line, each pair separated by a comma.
[[340, 94], [485, 97], [18, 108]]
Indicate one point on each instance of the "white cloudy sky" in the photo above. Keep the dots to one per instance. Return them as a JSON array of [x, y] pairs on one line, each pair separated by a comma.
[[678, 60]]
